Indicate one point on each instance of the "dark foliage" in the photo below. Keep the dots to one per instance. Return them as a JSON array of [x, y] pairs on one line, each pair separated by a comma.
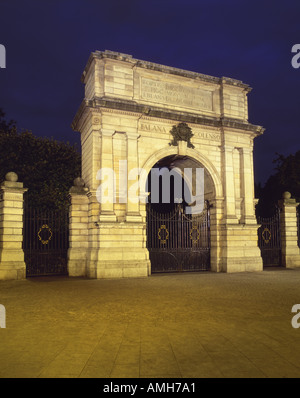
[[286, 178], [46, 167]]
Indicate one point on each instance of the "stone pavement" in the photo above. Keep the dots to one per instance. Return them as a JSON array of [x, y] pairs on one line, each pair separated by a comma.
[[178, 325]]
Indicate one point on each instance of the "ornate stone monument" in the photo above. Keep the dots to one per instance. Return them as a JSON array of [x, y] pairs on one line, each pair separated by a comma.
[[137, 113]]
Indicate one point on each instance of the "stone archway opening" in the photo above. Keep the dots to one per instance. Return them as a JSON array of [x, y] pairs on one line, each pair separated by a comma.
[[178, 215]]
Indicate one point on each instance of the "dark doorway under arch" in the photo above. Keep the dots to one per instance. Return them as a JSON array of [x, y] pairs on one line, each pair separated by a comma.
[[176, 241]]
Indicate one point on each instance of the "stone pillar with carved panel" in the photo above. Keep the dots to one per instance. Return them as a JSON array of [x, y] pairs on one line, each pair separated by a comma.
[[12, 265], [290, 252]]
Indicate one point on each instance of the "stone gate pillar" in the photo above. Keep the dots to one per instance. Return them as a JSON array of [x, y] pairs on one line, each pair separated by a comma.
[[290, 252], [78, 229], [12, 265]]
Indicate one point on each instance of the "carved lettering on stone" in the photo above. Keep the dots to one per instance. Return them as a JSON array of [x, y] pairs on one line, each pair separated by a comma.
[[176, 94]]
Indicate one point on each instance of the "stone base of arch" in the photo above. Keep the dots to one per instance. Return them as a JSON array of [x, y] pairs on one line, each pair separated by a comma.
[[233, 245], [121, 251], [239, 250], [118, 249]]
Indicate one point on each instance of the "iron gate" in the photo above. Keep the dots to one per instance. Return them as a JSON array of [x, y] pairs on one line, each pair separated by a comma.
[[269, 240], [45, 243], [177, 241]]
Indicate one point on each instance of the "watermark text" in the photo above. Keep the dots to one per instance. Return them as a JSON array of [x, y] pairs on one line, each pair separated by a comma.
[[296, 318], [2, 316], [133, 186], [2, 56], [296, 57]]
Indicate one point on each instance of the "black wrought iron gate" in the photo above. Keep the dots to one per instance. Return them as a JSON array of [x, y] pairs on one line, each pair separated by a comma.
[[269, 240], [45, 242], [178, 241]]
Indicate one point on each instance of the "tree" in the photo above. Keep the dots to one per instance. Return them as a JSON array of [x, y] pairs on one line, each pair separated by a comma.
[[47, 167], [286, 178]]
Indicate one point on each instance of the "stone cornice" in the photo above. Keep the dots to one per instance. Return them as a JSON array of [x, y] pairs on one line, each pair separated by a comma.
[[162, 113], [162, 68]]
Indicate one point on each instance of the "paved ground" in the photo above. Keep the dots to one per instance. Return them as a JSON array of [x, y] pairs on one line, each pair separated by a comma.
[[177, 325]]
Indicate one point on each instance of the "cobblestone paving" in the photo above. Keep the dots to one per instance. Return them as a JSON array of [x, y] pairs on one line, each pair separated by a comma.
[[178, 325]]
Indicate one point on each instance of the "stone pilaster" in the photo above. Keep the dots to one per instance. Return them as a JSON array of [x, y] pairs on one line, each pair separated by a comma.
[[216, 212], [78, 229], [12, 265], [228, 178], [290, 252], [247, 187], [107, 213], [132, 207]]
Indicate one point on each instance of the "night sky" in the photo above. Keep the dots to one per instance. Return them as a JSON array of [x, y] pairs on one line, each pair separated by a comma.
[[49, 42]]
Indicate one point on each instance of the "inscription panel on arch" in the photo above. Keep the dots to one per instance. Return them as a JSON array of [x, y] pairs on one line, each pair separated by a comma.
[[176, 94], [152, 127]]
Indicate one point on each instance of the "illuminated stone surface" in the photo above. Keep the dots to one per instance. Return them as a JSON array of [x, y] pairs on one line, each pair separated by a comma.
[[191, 325]]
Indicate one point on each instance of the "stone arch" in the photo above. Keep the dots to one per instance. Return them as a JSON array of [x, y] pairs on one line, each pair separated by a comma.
[[144, 107], [205, 257], [193, 154]]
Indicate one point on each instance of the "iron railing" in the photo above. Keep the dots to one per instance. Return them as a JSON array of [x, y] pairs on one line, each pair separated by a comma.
[[269, 239], [45, 241]]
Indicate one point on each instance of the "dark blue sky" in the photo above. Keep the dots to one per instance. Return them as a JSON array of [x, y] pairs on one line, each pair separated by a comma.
[[48, 44]]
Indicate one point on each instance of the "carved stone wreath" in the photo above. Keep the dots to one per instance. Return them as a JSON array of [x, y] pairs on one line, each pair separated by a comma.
[[181, 132]]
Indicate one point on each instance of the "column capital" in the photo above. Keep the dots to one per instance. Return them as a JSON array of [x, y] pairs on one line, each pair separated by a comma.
[[107, 132], [227, 148], [132, 135], [19, 190], [12, 185], [245, 150]]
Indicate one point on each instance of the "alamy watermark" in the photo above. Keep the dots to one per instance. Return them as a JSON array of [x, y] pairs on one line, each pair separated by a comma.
[[296, 58], [2, 56], [139, 188], [296, 318], [2, 316]]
